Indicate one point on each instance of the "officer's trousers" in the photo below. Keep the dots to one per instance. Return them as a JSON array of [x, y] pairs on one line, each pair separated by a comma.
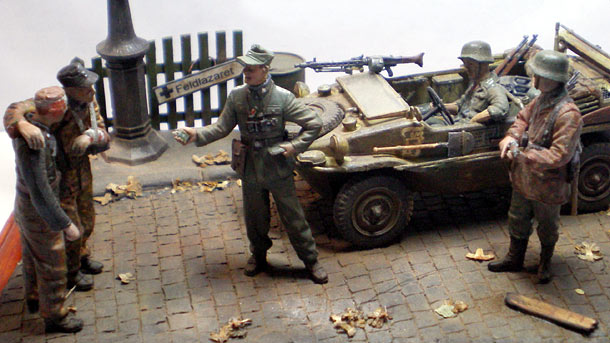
[[76, 194], [44, 260], [257, 215], [521, 218]]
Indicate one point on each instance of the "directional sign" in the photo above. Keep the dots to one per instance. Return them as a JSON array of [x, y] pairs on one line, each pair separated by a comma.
[[201, 80]]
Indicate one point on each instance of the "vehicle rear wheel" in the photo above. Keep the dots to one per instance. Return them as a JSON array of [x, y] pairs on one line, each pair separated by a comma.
[[330, 113], [594, 178], [373, 211]]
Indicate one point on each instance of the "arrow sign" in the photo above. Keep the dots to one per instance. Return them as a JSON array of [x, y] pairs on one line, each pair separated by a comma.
[[201, 80]]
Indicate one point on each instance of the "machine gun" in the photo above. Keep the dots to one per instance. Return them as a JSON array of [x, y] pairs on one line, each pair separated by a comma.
[[375, 63], [507, 65]]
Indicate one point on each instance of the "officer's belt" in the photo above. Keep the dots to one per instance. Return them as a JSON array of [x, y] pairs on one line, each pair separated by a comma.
[[259, 143]]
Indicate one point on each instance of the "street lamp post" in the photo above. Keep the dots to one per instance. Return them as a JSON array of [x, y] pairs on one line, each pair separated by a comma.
[[134, 141]]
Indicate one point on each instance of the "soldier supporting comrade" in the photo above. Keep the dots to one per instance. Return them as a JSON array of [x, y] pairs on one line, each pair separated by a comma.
[[82, 132], [42, 222], [540, 168], [264, 158], [485, 99]]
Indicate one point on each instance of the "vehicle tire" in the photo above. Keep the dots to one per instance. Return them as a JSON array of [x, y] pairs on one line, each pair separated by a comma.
[[373, 211], [330, 113], [594, 178]]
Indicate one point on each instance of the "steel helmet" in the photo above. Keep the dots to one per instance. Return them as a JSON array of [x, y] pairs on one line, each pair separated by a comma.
[[478, 51], [551, 64]]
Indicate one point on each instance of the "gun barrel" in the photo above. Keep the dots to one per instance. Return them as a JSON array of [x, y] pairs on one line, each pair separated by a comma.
[[417, 59]]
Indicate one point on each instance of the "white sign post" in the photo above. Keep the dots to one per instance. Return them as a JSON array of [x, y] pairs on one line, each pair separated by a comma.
[[201, 80]]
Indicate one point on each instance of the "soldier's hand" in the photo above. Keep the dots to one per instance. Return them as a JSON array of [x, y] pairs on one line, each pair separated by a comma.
[[505, 146], [481, 117], [289, 149], [185, 135], [80, 145], [71, 233], [32, 135], [452, 108]]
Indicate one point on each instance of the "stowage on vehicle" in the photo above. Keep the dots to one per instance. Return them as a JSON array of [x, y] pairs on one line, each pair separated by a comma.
[[377, 150]]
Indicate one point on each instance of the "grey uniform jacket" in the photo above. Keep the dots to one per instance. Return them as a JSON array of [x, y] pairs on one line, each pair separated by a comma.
[[261, 124]]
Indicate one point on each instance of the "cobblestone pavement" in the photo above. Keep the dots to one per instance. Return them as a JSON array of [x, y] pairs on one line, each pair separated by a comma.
[[187, 251]]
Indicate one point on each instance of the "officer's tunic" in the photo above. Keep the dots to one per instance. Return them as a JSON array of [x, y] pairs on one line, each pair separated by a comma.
[[538, 174], [41, 221], [261, 115]]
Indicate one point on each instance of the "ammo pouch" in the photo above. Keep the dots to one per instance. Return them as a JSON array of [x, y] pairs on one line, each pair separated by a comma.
[[238, 156]]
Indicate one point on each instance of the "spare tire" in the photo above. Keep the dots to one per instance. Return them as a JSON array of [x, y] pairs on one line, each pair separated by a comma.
[[330, 113]]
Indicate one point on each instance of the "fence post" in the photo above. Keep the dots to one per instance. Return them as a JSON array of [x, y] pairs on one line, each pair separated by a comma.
[[134, 141]]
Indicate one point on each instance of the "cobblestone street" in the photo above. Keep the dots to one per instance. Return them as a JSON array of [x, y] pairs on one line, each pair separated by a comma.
[[187, 251]]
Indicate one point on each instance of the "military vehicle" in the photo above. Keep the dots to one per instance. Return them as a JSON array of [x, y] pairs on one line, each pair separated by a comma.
[[382, 152]]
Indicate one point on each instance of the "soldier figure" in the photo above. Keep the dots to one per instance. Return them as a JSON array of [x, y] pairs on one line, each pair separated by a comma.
[[260, 109], [77, 137], [40, 218], [539, 172], [485, 99]]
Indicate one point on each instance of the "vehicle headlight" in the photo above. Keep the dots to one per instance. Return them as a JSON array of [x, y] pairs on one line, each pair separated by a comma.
[[339, 147]]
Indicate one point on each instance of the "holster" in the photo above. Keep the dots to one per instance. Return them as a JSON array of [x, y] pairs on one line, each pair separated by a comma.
[[238, 156]]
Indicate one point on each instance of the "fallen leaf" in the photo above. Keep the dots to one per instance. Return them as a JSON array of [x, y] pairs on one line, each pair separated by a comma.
[[198, 160], [588, 252], [579, 291], [479, 255], [104, 200], [460, 306], [72, 309], [446, 311], [222, 158], [238, 182], [378, 317], [133, 187], [233, 329], [222, 185], [126, 278]]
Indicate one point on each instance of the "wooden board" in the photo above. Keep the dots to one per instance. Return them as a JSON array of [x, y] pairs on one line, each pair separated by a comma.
[[373, 95], [558, 315], [10, 250]]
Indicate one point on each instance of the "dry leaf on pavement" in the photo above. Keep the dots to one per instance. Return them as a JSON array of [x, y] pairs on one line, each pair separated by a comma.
[[104, 200], [378, 317], [479, 255], [233, 329], [450, 309], [579, 291], [588, 252], [238, 182], [133, 187], [126, 278]]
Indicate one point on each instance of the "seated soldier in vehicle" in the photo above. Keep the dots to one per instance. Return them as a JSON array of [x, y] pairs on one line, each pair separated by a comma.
[[485, 100]]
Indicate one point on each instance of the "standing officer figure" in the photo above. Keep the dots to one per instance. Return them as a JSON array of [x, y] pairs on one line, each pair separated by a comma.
[[42, 223], [260, 109], [485, 99], [539, 172], [77, 137]]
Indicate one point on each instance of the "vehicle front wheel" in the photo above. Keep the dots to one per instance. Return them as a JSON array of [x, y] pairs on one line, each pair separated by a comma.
[[594, 178], [370, 212]]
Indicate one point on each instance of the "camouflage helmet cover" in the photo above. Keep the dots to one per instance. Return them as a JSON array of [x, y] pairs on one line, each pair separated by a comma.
[[551, 64], [257, 55], [477, 50]]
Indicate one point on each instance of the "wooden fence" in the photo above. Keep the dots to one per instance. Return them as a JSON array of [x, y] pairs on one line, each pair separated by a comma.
[[170, 68]]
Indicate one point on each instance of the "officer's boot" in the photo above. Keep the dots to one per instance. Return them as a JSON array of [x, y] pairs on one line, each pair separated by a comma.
[[544, 268], [89, 266], [317, 273], [513, 261], [67, 324], [83, 282], [256, 263]]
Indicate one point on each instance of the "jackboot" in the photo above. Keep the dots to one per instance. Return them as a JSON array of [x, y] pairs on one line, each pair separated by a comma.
[[89, 266], [83, 282], [67, 324], [544, 268], [256, 264], [513, 261], [317, 273]]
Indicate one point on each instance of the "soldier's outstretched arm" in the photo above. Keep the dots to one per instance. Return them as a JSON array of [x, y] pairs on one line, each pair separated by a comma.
[[16, 125], [221, 128], [498, 104], [305, 117]]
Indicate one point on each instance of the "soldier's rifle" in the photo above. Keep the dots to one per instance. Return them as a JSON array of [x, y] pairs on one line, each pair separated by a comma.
[[507, 65], [375, 64]]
